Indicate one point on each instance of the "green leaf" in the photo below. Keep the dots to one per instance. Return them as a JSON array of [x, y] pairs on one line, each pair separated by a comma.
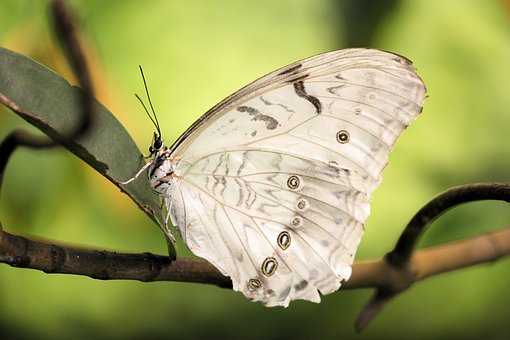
[[50, 103]]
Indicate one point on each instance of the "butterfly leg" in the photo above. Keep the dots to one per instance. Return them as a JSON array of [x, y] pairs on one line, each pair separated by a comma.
[[136, 175], [168, 204]]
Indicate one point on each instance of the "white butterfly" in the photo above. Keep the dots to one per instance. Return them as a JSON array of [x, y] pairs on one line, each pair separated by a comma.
[[272, 185]]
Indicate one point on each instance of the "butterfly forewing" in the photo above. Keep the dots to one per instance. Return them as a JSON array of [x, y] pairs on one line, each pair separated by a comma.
[[273, 183]]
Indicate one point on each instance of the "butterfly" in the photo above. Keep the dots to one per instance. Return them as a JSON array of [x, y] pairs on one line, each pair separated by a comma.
[[272, 185]]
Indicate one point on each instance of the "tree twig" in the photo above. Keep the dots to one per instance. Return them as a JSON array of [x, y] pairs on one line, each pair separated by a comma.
[[439, 205], [52, 258], [65, 30], [401, 258]]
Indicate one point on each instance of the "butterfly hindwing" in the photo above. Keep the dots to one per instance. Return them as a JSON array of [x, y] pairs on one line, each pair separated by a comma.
[[245, 208]]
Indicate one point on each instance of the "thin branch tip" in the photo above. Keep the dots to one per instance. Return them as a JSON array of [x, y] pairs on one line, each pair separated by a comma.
[[64, 27]]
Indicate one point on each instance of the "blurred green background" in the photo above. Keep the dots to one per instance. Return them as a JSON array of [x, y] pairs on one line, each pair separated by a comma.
[[197, 52]]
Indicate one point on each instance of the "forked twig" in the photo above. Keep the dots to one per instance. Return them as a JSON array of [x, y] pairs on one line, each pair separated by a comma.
[[439, 205], [401, 257]]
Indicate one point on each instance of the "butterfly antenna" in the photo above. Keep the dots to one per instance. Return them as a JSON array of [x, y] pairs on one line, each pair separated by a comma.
[[146, 111], [156, 122]]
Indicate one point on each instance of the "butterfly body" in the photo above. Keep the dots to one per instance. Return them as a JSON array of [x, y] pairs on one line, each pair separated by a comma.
[[272, 185]]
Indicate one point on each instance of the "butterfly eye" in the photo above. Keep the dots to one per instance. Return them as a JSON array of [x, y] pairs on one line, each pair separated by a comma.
[[158, 143], [151, 150]]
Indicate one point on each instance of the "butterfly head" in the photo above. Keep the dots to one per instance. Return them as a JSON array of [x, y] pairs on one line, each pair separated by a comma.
[[156, 145]]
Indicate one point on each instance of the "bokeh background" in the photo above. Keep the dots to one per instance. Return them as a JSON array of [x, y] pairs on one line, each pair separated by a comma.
[[197, 52]]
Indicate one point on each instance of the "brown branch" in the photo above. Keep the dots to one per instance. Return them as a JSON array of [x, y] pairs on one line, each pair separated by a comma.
[[439, 205], [400, 259], [391, 281], [52, 258], [22, 252], [15, 139], [65, 30]]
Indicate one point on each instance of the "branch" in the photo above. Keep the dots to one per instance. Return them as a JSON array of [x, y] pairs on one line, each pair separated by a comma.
[[390, 280], [439, 205], [400, 259], [65, 30], [51, 258]]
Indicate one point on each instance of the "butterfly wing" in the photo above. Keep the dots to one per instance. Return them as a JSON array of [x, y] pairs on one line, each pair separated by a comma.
[[274, 182]]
